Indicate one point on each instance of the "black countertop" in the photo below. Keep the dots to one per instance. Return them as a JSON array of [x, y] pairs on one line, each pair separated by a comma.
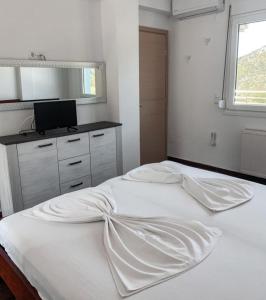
[[34, 136]]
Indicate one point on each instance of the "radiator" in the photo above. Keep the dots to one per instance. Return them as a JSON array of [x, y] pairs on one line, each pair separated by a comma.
[[253, 156]]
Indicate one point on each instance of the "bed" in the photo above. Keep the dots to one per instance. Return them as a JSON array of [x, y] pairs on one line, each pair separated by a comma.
[[67, 261]]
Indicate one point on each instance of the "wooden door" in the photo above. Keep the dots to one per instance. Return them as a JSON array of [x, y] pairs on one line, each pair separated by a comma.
[[153, 94]]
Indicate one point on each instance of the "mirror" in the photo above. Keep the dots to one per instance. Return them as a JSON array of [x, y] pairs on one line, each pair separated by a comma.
[[31, 81]]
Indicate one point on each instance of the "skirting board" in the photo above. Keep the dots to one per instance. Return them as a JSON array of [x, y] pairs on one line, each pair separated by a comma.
[[218, 170]]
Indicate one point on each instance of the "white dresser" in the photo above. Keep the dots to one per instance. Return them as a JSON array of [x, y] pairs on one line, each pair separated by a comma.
[[34, 171]]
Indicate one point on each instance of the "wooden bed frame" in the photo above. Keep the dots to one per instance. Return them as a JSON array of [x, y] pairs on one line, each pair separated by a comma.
[[15, 280]]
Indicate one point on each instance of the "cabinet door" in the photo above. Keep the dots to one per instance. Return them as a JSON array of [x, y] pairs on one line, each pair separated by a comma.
[[104, 174], [39, 172], [102, 138], [103, 155]]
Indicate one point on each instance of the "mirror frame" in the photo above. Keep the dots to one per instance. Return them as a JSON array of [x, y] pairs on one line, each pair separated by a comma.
[[53, 64]]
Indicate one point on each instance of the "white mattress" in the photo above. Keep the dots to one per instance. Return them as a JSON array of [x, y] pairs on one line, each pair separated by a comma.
[[67, 261]]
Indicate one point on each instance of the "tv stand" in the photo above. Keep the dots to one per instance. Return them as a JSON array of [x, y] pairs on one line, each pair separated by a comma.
[[66, 162], [72, 128], [69, 129]]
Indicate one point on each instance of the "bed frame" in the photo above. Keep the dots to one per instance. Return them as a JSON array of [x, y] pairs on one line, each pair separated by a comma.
[[15, 280]]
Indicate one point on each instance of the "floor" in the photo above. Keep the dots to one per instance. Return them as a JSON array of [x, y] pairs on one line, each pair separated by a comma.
[[5, 294]]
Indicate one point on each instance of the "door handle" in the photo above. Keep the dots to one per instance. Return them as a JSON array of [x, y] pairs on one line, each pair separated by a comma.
[[75, 163], [72, 141], [76, 185], [45, 145], [98, 135]]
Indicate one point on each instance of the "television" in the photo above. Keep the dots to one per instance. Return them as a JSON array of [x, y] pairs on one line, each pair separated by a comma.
[[55, 114]]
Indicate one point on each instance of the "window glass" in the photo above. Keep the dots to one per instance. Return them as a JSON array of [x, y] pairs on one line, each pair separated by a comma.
[[250, 86]]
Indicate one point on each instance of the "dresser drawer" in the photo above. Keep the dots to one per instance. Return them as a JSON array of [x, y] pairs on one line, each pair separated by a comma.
[[36, 147], [103, 158], [39, 177], [73, 168], [104, 174], [74, 185], [74, 145], [102, 138]]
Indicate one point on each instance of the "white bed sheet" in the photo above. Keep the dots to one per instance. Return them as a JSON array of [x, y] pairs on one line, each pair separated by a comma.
[[67, 261]]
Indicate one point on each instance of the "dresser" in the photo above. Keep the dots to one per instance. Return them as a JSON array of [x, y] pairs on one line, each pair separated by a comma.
[[36, 168]]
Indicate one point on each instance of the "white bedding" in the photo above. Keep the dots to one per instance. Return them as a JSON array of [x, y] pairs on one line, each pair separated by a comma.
[[75, 267], [216, 194], [141, 252]]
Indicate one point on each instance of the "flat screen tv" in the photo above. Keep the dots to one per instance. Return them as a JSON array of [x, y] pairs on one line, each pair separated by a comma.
[[57, 114]]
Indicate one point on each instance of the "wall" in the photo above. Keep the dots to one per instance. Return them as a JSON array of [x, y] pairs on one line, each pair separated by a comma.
[[62, 30], [193, 87], [120, 25], [154, 19]]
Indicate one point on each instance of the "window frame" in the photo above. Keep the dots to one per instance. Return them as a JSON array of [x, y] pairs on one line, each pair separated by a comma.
[[236, 21]]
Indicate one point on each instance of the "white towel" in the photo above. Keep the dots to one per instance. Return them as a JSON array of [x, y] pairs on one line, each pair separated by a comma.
[[155, 173], [141, 252], [216, 194]]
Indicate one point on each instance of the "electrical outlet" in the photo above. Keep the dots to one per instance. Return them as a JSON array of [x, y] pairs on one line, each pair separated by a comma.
[[213, 139], [220, 102], [216, 99]]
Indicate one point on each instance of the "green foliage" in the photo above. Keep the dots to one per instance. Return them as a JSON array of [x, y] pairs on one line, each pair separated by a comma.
[[251, 76]]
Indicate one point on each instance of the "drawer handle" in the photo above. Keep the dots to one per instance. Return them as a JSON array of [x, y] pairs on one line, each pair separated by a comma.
[[98, 135], [72, 141], [46, 145], [76, 185], [75, 163]]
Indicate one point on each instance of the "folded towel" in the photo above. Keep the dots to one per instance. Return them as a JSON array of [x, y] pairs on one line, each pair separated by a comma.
[[216, 194], [141, 252], [155, 173]]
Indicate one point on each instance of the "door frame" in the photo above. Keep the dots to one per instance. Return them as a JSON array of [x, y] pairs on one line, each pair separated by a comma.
[[166, 34]]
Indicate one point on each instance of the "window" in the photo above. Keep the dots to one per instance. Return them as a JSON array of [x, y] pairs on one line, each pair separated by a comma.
[[247, 77], [89, 82]]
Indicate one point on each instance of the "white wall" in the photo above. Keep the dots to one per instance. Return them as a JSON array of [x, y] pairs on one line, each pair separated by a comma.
[[121, 53], [154, 19], [62, 30], [193, 86]]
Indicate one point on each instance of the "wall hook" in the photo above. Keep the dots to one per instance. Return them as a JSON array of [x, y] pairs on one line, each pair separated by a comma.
[[35, 56], [207, 41], [188, 58]]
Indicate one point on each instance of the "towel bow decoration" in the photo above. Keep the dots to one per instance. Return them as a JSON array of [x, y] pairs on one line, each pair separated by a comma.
[[216, 194], [141, 252]]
